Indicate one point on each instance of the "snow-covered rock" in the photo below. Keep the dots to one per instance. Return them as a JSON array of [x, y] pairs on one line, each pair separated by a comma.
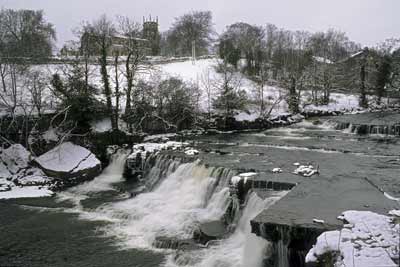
[[242, 176], [305, 170], [69, 161], [368, 239], [191, 152], [18, 178], [395, 213], [319, 221], [277, 170], [145, 149], [14, 158]]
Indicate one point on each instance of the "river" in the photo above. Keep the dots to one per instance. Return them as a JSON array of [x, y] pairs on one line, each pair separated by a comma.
[[99, 223]]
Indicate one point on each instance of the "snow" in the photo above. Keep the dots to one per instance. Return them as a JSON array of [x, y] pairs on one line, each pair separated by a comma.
[[318, 221], [244, 116], [5, 185], [369, 240], [395, 213], [68, 157], [197, 74], [50, 136], [101, 126], [191, 152], [357, 53], [14, 158], [150, 148], [391, 197], [277, 170], [163, 137], [15, 172], [31, 176], [338, 102], [305, 170], [323, 60], [242, 176], [25, 192], [235, 180]]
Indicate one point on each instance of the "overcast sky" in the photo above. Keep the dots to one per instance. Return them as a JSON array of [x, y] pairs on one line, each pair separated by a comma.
[[365, 21]]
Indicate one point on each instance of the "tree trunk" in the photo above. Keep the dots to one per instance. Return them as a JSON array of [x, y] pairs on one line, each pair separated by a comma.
[[106, 83], [363, 97], [129, 87], [293, 98], [116, 110]]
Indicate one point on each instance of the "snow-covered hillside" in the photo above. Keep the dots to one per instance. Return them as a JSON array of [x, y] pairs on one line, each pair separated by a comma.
[[201, 73]]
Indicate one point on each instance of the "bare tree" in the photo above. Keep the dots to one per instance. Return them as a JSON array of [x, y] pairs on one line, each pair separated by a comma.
[[192, 27], [135, 49], [207, 83], [37, 86], [230, 97], [101, 32]]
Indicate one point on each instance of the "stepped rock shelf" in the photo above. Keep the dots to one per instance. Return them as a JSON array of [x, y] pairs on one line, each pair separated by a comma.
[[385, 123], [359, 178]]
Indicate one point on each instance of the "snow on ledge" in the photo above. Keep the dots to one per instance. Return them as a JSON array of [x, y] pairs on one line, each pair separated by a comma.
[[242, 176]]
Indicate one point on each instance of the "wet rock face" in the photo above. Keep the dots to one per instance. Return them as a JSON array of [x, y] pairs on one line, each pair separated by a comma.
[[384, 123], [289, 244], [222, 123], [210, 231]]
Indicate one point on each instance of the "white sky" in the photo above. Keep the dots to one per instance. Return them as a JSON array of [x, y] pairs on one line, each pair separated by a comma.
[[365, 21]]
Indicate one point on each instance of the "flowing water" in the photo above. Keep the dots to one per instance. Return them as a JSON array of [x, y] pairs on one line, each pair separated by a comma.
[[100, 223]]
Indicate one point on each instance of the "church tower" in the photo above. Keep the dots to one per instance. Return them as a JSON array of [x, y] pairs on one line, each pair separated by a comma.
[[150, 32]]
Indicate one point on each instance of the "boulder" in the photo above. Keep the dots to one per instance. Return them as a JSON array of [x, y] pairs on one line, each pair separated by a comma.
[[70, 163], [210, 231], [18, 179]]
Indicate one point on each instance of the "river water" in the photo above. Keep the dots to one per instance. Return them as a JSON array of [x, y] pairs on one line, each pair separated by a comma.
[[99, 224]]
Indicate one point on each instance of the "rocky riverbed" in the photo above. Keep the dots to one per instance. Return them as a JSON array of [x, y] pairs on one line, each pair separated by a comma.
[[227, 199]]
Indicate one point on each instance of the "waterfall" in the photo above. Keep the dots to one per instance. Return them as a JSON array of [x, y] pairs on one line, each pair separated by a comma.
[[242, 248], [183, 195], [162, 167], [110, 175], [188, 195]]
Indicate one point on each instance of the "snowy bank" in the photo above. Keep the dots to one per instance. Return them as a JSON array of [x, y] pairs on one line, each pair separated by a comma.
[[18, 178], [367, 239]]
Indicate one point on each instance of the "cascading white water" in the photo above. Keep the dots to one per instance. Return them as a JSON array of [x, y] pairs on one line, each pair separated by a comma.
[[191, 194], [242, 248], [110, 175], [172, 209]]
